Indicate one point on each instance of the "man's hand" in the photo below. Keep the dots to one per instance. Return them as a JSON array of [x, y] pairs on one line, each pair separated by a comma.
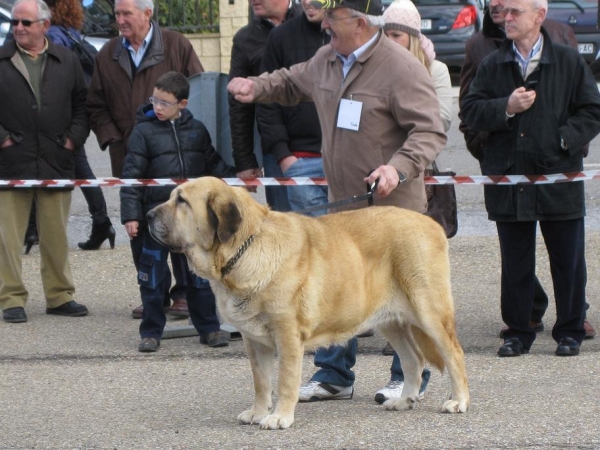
[[132, 228], [69, 144], [287, 162], [242, 89], [520, 100], [250, 174], [7, 143], [388, 180]]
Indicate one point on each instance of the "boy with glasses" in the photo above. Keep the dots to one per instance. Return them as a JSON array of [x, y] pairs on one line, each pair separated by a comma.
[[168, 142]]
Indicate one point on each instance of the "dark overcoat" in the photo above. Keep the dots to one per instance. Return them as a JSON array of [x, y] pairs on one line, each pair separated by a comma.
[[567, 106], [39, 132]]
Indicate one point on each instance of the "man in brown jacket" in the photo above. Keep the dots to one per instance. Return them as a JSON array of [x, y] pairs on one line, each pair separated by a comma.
[[126, 71], [125, 74]]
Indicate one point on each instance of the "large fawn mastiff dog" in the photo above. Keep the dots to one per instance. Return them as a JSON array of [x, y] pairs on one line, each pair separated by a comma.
[[290, 282]]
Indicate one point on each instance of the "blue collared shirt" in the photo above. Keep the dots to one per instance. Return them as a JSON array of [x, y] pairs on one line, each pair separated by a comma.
[[352, 57], [139, 55], [524, 62]]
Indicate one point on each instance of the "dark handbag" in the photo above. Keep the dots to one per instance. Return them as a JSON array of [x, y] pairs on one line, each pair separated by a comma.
[[441, 202]]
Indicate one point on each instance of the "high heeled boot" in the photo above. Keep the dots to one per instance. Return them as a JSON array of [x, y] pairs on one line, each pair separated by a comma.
[[100, 233]]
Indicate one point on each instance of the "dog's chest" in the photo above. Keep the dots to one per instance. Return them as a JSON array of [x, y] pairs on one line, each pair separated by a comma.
[[241, 313]]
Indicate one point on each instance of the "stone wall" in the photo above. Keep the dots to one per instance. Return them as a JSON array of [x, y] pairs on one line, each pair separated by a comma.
[[214, 50]]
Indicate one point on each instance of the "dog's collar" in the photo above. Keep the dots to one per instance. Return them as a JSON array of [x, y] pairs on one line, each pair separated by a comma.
[[227, 267]]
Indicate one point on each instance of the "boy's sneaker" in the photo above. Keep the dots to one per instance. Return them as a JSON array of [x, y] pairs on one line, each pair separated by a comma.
[[393, 390], [314, 391]]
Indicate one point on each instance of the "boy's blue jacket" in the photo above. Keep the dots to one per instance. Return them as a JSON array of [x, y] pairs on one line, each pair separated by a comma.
[[165, 149]]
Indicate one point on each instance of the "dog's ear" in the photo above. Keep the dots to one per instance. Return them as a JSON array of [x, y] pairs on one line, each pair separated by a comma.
[[223, 217]]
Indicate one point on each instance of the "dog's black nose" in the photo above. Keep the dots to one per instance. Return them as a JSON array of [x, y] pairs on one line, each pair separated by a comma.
[[150, 216]]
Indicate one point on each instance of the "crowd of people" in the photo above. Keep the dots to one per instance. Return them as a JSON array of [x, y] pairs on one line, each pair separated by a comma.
[[334, 88]]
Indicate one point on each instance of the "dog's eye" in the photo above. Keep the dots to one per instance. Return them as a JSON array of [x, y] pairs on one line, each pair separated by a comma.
[[181, 200]]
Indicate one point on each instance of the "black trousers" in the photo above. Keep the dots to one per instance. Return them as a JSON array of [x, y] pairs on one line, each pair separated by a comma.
[[565, 243], [93, 195]]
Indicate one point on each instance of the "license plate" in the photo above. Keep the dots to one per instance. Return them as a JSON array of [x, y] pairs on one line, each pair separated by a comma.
[[425, 24], [585, 48]]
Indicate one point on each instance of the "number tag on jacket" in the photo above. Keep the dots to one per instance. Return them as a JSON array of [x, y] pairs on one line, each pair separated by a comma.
[[349, 114]]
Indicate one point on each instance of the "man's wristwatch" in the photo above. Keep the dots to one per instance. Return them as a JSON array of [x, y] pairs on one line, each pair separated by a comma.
[[563, 144], [401, 177]]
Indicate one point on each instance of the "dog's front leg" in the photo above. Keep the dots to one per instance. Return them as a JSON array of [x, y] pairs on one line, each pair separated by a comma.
[[262, 362], [290, 350]]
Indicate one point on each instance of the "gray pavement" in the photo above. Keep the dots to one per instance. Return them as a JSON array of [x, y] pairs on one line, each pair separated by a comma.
[[79, 383]]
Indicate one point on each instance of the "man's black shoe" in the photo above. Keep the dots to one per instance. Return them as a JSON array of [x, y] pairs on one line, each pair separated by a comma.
[[567, 347], [70, 309], [14, 315], [512, 347]]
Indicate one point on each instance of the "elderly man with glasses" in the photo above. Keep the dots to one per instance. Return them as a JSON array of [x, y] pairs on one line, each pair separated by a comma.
[[540, 105], [380, 120], [42, 121]]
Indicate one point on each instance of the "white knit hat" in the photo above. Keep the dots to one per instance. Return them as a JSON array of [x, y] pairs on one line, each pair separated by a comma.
[[403, 15]]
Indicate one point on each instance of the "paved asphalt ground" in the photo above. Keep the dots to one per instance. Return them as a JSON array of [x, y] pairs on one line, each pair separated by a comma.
[[79, 383]]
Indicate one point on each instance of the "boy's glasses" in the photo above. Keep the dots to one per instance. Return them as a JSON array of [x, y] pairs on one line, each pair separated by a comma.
[[25, 22], [161, 103]]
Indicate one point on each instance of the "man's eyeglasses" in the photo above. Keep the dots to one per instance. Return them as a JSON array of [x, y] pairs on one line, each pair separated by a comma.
[[25, 22], [161, 103], [515, 12], [330, 17]]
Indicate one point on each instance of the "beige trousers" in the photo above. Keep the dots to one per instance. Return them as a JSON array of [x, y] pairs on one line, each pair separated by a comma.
[[52, 218]]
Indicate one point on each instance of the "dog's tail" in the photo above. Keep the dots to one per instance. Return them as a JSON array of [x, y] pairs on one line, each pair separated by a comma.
[[428, 348]]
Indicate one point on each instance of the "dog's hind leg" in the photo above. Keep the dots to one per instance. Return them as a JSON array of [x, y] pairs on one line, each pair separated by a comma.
[[262, 362], [412, 361], [442, 334]]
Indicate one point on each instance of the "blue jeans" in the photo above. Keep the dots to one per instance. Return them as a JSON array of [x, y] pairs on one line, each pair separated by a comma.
[[398, 374], [276, 195], [335, 366], [154, 279], [301, 197]]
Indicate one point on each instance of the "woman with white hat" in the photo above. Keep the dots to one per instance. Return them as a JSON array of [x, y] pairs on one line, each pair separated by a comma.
[[403, 25]]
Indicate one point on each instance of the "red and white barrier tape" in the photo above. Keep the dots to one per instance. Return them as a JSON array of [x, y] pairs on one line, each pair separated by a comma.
[[303, 181]]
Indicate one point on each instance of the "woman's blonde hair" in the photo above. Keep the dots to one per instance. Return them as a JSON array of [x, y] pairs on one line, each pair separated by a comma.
[[414, 46]]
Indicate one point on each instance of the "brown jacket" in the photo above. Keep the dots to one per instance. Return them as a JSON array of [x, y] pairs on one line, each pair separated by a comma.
[[399, 123], [116, 93]]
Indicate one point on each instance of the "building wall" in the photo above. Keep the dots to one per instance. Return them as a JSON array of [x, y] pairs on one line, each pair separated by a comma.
[[214, 50]]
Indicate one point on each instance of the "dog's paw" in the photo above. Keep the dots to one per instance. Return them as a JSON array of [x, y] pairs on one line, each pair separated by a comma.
[[251, 417], [453, 406], [276, 421], [401, 404]]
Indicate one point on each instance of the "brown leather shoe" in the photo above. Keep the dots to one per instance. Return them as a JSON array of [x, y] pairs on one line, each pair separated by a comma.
[[215, 339], [590, 333], [179, 309], [388, 350], [136, 313], [537, 327], [368, 333]]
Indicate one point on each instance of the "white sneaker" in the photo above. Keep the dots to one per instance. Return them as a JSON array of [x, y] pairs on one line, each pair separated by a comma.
[[392, 390], [313, 391]]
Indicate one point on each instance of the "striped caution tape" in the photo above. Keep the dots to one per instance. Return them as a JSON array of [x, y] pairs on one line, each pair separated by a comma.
[[305, 181]]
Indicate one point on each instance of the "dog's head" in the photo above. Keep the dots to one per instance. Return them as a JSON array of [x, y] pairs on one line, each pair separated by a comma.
[[201, 216]]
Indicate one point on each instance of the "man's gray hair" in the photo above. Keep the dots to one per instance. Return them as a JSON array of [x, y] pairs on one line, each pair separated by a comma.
[[541, 4], [144, 4], [373, 21], [43, 10]]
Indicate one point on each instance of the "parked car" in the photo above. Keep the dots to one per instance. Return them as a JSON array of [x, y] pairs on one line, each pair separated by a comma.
[[98, 27], [582, 16], [449, 24]]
